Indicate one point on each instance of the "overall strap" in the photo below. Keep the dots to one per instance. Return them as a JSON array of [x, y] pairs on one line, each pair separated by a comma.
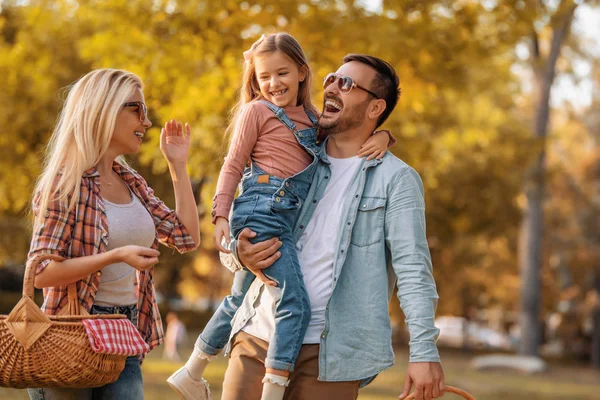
[[312, 117], [281, 115]]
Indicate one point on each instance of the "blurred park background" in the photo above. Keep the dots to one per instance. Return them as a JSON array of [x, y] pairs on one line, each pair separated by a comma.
[[499, 114]]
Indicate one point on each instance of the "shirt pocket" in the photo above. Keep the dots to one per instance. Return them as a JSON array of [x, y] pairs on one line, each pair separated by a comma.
[[368, 228]]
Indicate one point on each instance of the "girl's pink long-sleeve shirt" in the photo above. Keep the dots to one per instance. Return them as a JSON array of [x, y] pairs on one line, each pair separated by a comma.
[[259, 136]]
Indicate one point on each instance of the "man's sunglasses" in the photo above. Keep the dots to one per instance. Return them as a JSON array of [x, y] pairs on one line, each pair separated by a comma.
[[141, 109], [344, 83]]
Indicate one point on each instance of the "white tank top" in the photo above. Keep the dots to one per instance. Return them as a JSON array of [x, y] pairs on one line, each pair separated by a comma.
[[128, 224]]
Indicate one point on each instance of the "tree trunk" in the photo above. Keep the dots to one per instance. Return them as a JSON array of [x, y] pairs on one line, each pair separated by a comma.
[[530, 260], [595, 350], [530, 249]]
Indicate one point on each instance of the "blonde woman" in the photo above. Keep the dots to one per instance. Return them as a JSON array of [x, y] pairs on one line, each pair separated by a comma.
[[99, 214]]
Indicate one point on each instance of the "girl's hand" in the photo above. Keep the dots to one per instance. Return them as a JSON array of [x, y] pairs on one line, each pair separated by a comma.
[[222, 231], [175, 142], [375, 146], [138, 257]]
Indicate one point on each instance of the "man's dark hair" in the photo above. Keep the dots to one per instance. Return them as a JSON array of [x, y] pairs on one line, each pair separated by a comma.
[[386, 82]]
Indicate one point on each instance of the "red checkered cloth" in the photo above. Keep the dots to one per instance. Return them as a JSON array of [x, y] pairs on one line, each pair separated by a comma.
[[115, 336]]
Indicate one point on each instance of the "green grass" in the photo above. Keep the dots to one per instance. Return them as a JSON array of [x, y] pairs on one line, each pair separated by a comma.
[[560, 382]]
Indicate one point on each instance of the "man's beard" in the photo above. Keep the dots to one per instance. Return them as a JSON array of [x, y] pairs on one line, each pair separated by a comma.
[[354, 117]]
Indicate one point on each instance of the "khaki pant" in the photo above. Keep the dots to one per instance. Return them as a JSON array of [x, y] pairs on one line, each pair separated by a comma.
[[243, 378]]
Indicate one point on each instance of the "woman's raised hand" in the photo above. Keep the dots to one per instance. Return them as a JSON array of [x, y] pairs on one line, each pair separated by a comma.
[[175, 142]]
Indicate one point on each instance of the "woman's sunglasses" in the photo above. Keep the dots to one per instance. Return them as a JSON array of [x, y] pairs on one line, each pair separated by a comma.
[[344, 83], [141, 109]]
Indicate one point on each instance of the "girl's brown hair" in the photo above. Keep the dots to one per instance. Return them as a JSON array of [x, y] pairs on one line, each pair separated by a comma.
[[250, 90]]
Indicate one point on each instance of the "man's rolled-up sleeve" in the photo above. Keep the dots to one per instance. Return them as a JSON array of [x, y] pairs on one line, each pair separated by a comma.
[[231, 260]]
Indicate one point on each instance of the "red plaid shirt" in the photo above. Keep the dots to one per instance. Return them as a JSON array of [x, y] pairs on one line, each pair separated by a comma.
[[84, 231]]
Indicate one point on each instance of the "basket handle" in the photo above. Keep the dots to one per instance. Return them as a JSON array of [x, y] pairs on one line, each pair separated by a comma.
[[448, 389], [72, 307]]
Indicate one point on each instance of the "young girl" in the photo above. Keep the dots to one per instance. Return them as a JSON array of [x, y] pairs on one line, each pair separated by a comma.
[[275, 128], [100, 216]]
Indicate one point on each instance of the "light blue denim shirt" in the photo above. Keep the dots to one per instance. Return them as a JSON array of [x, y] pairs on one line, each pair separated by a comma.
[[383, 243]]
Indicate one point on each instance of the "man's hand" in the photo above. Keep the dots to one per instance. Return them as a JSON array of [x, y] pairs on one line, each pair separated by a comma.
[[428, 378], [259, 256]]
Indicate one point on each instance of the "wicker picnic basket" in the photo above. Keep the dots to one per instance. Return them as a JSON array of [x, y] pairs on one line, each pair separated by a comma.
[[37, 350], [448, 389]]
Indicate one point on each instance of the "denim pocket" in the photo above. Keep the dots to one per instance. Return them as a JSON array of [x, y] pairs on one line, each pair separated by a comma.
[[36, 394], [131, 312], [243, 207], [96, 310], [285, 201], [134, 316], [368, 228]]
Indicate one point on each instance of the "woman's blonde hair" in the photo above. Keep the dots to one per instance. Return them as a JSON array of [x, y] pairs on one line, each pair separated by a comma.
[[289, 46], [82, 134]]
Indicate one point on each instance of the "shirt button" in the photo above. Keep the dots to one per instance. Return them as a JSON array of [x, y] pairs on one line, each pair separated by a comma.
[[356, 196], [342, 251], [282, 193], [277, 199], [326, 177], [364, 206], [47, 214], [299, 134], [99, 273], [349, 223], [323, 336], [301, 226], [287, 184], [314, 201]]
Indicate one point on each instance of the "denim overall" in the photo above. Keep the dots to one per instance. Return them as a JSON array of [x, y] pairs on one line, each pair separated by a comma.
[[270, 206]]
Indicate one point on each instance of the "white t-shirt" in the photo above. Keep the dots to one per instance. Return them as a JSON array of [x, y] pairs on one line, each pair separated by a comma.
[[316, 249]]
